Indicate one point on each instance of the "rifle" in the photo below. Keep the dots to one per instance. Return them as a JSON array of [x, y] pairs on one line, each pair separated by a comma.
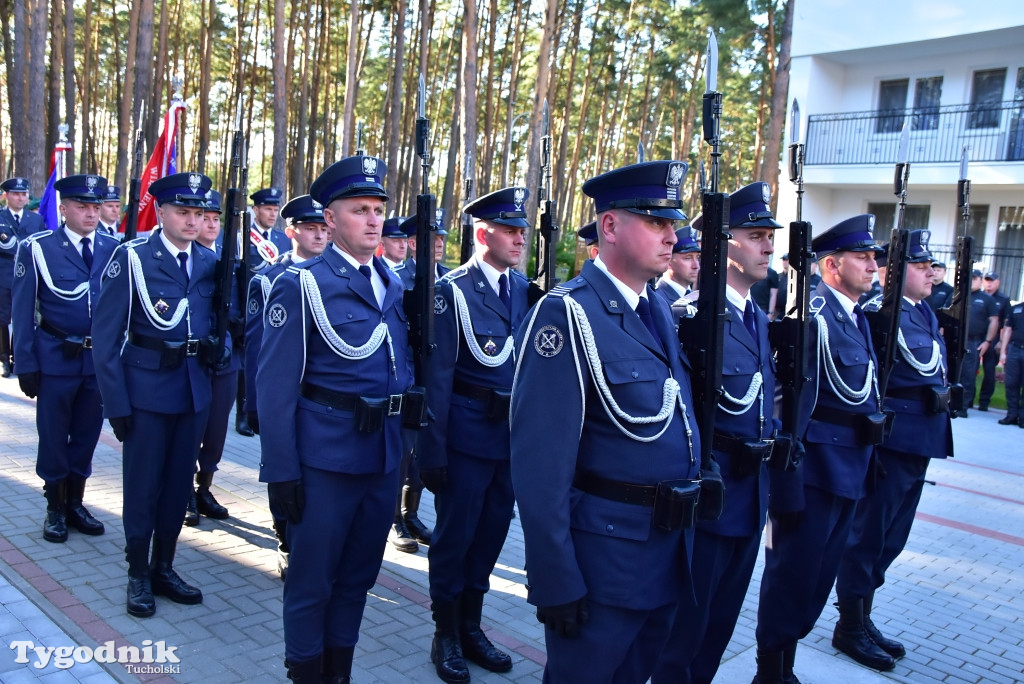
[[225, 271], [547, 235], [467, 228], [702, 336], [422, 295], [131, 216], [789, 336], [953, 318], [885, 322]]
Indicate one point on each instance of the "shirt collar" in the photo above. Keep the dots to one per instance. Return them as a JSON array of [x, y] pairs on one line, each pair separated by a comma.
[[491, 274], [172, 249], [349, 258], [73, 236], [632, 298], [844, 301], [735, 299], [390, 264]]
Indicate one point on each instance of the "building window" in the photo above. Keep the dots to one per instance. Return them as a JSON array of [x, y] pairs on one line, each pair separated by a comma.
[[892, 101], [886, 213], [1015, 140], [986, 97], [1009, 247], [927, 96]]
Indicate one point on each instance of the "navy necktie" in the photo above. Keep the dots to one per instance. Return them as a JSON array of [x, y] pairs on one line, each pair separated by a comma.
[[17, 219], [183, 263], [503, 292], [86, 253], [862, 324], [926, 311], [266, 235], [643, 310], [365, 270], [750, 321]]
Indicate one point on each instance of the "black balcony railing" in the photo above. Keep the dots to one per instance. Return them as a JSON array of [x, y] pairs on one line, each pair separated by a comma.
[[995, 132]]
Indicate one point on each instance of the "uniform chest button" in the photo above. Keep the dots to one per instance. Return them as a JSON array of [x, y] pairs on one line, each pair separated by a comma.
[[609, 528], [635, 375], [349, 316]]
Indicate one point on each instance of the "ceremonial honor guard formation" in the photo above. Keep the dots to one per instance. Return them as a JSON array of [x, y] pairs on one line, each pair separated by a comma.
[[592, 463]]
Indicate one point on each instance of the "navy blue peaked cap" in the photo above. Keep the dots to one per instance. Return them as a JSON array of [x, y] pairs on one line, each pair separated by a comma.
[[87, 188], [16, 184], [359, 176], [408, 226], [213, 202], [393, 227], [649, 189], [852, 235], [112, 194], [506, 207], [303, 209], [749, 207], [919, 253], [588, 233], [686, 241], [267, 196], [186, 189]]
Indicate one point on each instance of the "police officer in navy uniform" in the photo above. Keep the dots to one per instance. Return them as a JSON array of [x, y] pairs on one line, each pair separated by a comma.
[[153, 348], [588, 233], [942, 292], [110, 211], [605, 449], [982, 331], [989, 359], [1012, 360], [394, 243], [725, 550], [805, 543], [464, 453], [333, 371], [57, 282], [304, 225], [224, 383], [918, 394], [680, 278], [16, 224], [408, 272]]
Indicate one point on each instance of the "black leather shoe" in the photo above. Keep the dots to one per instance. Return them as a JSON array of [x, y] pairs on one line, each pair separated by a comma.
[[788, 659], [206, 504], [242, 426], [306, 672], [410, 515], [850, 637], [890, 646], [1008, 420], [167, 583], [55, 526], [446, 654], [77, 515], [140, 597], [191, 512], [8, 369], [477, 648], [400, 537], [983, 407]]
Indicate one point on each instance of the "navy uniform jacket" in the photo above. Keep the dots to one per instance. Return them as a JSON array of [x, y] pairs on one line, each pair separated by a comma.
[[941, 296], [296, 431], [667, 291], [256, 303], [11, 235], [459, 422], [915, 429], [407, 272], [578, 544], [130, 376], [36, 349], [835, 461], [746, 499]]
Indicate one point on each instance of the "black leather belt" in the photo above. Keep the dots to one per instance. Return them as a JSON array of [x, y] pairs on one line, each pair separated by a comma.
[[738, 444], [912, 393], [191, 346], [86, 340], [613, 490], [835, 416], [7, 255], [471, 391], [346, 402]]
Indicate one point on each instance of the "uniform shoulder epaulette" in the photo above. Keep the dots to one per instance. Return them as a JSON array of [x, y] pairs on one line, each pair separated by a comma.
[[208, 249], [520, 275], [302, 265], [565, 288], [816, 304], [400, 267], [107, 236], [873, 304], [40, 234], [135, 242], [454, 274]]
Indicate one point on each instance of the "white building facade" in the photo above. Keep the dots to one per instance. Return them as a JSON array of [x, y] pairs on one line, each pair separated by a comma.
[[955, 73]]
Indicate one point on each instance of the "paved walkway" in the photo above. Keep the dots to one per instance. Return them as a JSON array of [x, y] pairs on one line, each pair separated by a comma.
[[955, 597]]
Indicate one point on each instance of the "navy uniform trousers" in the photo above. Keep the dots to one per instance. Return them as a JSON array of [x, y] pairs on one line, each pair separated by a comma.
[[474, 509], [884, 517], [631, 572], [69, 413], [1015, 363], [349, 476], [725, 550], [168, 399], [802, 559]]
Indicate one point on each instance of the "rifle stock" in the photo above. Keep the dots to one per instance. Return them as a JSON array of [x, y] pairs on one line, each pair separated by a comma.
[[466, 247], [225, 272]]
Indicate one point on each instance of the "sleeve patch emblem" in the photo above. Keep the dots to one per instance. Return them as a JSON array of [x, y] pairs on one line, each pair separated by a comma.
[[548, 341]]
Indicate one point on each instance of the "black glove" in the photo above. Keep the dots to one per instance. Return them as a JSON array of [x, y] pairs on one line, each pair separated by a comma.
[[434, 479], [565, 619], [786, 520], [29, 383], [122, 426], [287, 499], [712, 492], [213, 354], [253, 419]]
